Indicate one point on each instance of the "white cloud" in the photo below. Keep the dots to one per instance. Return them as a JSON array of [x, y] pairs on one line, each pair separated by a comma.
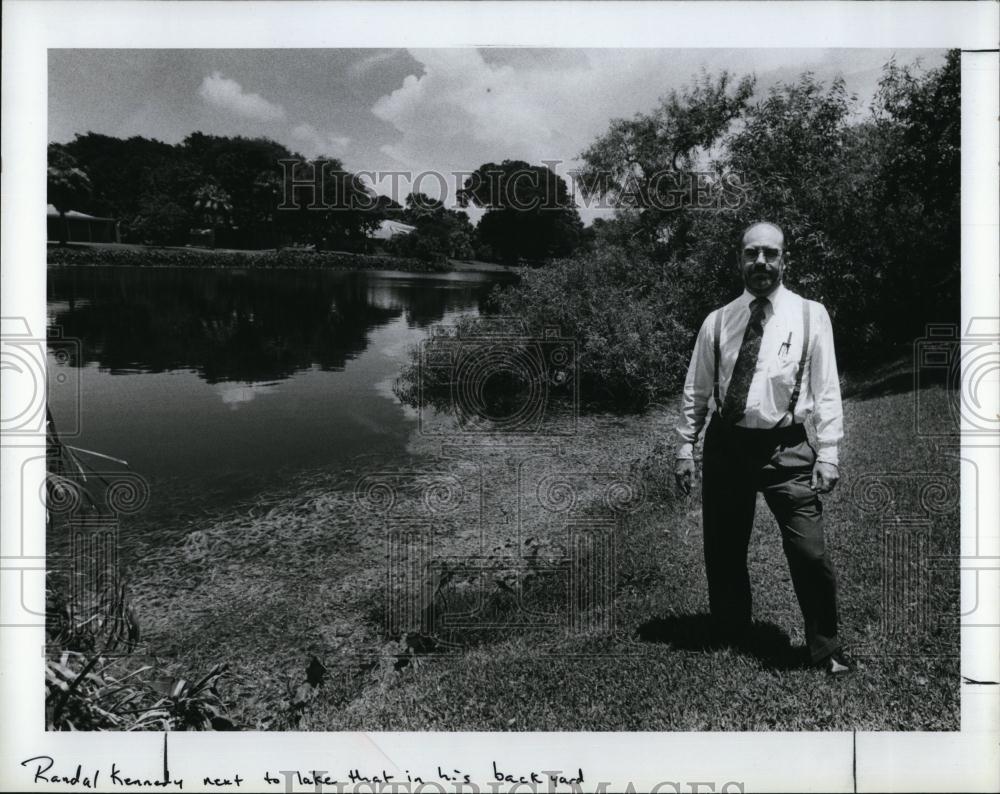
[[227, 94], [463, 109], [462, 99], [369, 62], [317, 142]]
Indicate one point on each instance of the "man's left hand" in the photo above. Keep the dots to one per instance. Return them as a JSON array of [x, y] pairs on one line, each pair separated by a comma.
[[825, 476]]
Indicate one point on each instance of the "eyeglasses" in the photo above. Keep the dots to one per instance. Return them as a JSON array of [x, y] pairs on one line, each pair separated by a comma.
[[771, 255]]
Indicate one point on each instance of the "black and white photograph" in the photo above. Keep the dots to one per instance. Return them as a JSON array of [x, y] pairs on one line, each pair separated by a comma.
[[501, 389]]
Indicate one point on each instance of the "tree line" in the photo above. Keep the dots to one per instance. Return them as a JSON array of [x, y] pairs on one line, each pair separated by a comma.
[[255, 193], [868, 197]]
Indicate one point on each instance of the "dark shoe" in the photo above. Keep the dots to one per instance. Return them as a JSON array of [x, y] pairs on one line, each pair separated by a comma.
[[837, 664]]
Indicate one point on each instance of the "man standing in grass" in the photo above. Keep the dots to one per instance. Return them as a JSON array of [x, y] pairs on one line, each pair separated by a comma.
[[767, 361]]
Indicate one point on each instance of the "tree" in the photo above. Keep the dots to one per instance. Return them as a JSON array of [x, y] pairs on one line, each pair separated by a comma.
[[440, 233], [530, 211], [68, 184], [213, 208], [161, 221], [152, 185], [869, 206], [266, 197], [123, 171], [320, 203], [249, 173], [420, 206], [802, 162], [917, 120], [657, 165]]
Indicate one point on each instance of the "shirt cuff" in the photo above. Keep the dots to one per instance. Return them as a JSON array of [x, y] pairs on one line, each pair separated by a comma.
[[828, 454], [685, 451]]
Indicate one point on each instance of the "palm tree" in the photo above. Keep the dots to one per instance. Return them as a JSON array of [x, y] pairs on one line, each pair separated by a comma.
[[213, 206]]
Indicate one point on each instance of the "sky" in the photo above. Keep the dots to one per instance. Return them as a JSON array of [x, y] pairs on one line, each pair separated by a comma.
[[442, 110]]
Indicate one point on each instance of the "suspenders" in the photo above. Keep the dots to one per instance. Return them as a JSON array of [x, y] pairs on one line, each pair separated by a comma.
[[718, 355], [798, 375], [802, 359]]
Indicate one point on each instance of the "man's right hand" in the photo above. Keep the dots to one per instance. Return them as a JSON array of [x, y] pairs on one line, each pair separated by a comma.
[[684, 474]]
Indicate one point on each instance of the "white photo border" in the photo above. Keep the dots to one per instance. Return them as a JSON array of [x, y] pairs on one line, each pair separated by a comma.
[[836, 761]]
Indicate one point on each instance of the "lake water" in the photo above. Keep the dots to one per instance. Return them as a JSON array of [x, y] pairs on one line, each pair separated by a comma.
[[217, 384]]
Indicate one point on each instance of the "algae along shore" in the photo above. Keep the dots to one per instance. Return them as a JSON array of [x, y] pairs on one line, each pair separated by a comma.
[[553, 585]]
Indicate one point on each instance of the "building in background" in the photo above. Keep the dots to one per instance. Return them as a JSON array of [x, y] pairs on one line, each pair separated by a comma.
[[81, 228], [388, 229]]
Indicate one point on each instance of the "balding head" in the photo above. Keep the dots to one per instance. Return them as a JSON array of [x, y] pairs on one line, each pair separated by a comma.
[[766, 228]]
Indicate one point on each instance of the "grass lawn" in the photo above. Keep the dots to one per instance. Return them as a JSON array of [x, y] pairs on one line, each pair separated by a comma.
[[304, 575]]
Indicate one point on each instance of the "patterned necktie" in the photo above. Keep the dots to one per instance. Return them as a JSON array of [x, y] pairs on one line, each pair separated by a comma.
[[735, 404]]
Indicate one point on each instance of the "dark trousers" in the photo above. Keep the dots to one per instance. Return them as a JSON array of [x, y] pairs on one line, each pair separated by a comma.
[[737, 464]]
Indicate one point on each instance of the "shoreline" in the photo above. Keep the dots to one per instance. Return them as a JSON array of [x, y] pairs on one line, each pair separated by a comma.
[[135, 256]]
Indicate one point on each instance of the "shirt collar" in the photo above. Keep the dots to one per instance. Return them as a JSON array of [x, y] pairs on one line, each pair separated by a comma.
[[776, 298]]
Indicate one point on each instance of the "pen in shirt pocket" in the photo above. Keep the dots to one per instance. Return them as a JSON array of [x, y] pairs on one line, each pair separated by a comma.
[[785, 346]]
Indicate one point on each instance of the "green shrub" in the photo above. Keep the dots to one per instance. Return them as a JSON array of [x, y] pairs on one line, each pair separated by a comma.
[[621, 309], [160, 222], [100, 694]]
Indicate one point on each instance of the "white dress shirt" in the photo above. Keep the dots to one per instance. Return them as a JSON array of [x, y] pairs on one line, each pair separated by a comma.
[[774, 376]]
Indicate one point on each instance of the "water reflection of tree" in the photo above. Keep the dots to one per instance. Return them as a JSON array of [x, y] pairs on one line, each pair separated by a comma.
[[237, 326]]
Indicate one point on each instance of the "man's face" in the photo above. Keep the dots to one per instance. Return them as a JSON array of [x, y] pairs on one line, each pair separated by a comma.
[[762, 260]]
